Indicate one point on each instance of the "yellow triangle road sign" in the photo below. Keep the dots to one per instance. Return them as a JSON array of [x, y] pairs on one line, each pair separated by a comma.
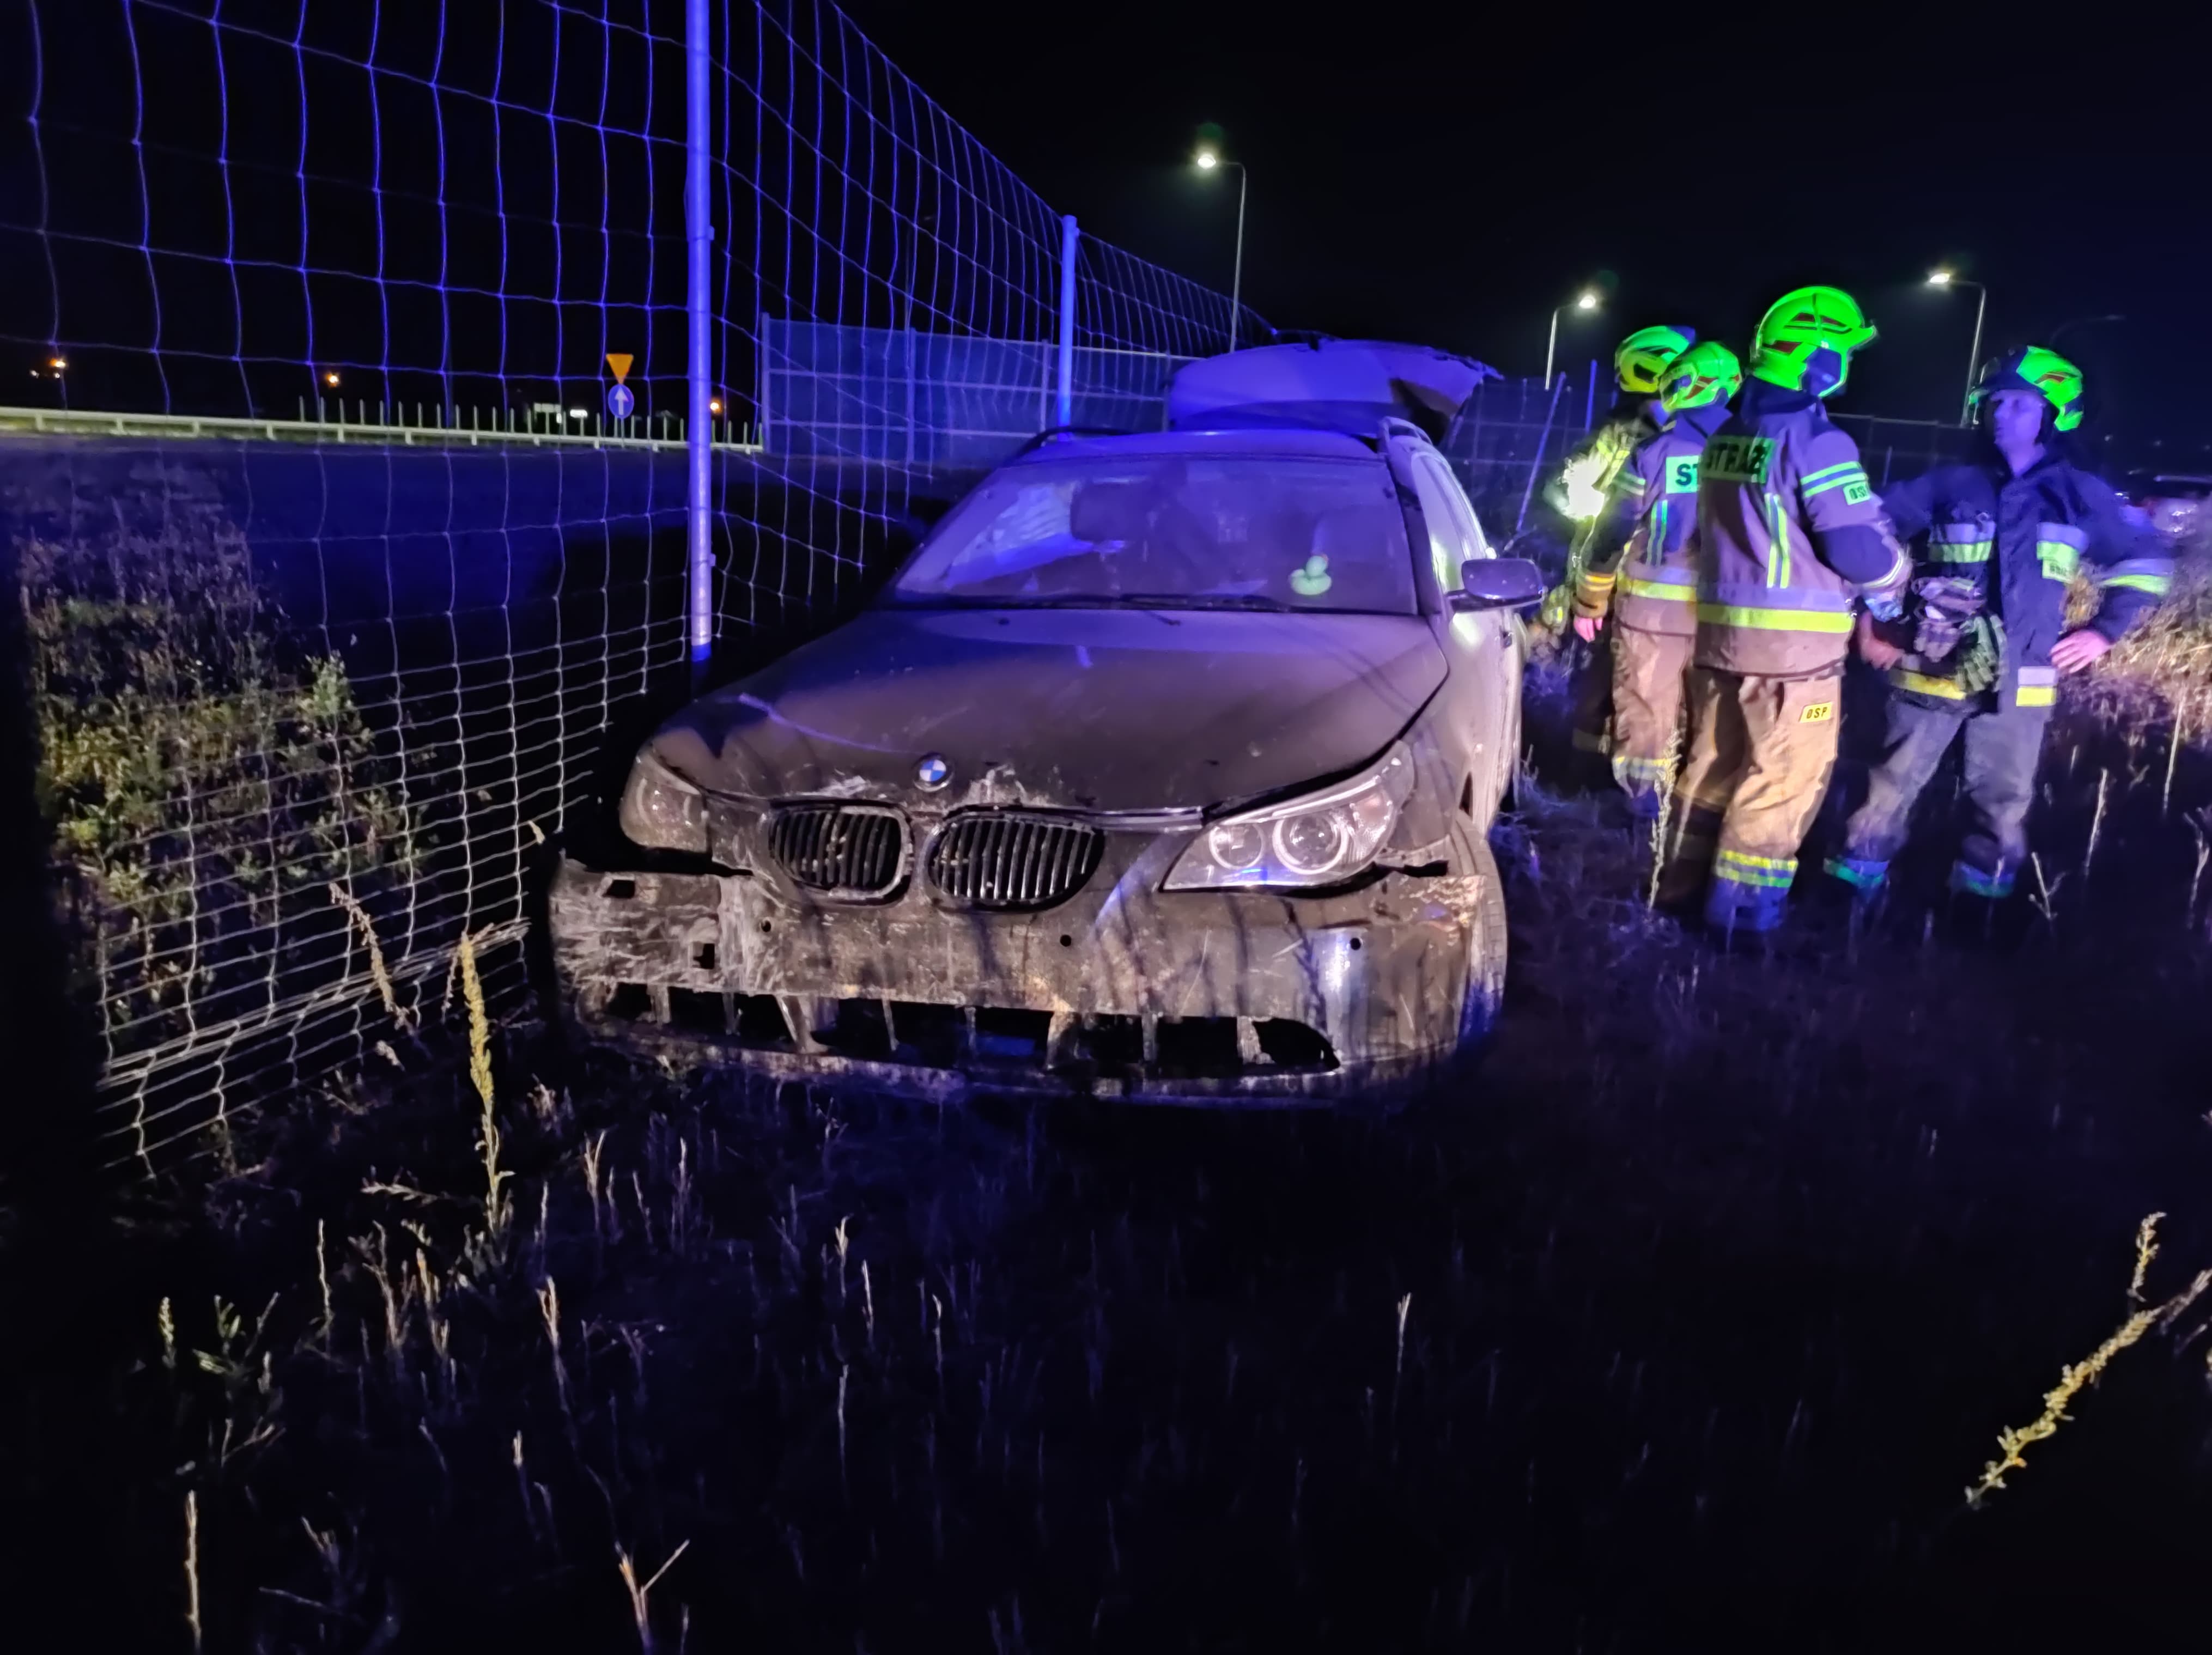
[[619, 361]]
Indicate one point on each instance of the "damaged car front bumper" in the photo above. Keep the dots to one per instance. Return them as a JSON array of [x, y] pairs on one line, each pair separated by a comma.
[[1121, 990]]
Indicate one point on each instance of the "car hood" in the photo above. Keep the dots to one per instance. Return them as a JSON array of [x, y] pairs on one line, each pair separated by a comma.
[[1102, 710]]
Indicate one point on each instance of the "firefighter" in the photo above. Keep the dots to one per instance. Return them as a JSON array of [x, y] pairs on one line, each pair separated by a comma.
[[1643, 543], [2001, 538], [1580, 493], [1790, 538]]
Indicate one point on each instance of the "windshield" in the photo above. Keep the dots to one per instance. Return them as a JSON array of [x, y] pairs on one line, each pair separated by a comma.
[[1234, 533]]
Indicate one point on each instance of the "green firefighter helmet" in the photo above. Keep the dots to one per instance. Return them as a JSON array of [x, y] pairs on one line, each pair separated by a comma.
[[2046, 372], [1639, 358], [1805, 341], [1705, 373]]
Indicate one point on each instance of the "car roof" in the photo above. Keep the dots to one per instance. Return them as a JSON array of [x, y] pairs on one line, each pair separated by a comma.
[[1253, 441]]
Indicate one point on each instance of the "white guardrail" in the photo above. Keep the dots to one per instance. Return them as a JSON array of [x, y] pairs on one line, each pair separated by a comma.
[[88, 422]]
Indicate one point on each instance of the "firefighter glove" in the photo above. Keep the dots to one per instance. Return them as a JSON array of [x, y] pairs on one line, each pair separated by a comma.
[[1552, 616]]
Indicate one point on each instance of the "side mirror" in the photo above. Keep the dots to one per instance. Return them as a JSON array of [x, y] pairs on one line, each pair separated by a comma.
[[1497, 583]]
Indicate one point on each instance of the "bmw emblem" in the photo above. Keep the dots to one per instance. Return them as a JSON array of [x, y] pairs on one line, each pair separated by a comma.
[[932, 773]]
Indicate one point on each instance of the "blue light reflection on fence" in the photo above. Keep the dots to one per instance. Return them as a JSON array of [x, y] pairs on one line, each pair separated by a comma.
[[938, 401]]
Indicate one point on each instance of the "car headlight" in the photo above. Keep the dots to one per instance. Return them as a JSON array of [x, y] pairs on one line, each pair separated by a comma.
[[660, 810], [1322, 839]]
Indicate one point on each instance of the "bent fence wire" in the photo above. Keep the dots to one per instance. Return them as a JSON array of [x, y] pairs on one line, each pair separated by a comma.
[[323, 668]]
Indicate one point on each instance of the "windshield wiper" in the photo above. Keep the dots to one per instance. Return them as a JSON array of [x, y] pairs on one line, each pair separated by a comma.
[[1104, 601], [1216, 600], [950, 601], [1091, 601]]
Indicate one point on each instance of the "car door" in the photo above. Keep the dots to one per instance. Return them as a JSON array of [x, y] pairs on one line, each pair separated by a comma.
[[1485, 647]]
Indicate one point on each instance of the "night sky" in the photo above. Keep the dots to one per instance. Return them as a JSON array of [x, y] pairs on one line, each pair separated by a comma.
[[1449, 172]]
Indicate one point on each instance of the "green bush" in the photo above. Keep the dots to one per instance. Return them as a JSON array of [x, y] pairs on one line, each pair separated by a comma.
[[203, 789]]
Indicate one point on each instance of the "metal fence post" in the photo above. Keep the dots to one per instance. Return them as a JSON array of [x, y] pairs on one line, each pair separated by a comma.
[[1536, 463], [1068, 236], [699, 232]]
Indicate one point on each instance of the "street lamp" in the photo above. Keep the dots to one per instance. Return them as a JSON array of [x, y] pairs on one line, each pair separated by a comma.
[[1940, 278], [1585, 300], [1208, 160]]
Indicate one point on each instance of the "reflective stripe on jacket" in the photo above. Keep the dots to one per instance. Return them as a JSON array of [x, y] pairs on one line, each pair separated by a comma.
[[1648, 552], [1789, 532], [2022, 540]]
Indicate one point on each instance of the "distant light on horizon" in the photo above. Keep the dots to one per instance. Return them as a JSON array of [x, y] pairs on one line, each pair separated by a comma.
[[715, 405], [57, 363], [329, 379], [579, 413]]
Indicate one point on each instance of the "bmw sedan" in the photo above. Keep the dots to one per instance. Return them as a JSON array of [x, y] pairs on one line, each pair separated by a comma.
[[1162, 770]]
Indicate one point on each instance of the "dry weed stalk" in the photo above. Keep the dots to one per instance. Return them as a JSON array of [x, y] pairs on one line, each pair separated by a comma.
[[192, 1565], [434, 1319], [680, 1204], [1673, 761], [343, 898], [2046, 893], [496, 1205], [2074, 1377], [639, 1607], [2146, 1250], [322, 1280], [595, 1186], [378, 1265], [2173, 755], [2201, 825], [549, 1306], [522, 1487], [2097, 821]]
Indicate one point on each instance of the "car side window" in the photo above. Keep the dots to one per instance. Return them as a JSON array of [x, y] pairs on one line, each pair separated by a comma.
[[1454, 536]]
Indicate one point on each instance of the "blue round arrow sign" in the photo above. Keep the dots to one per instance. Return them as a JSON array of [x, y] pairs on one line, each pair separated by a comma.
[[619, 402]]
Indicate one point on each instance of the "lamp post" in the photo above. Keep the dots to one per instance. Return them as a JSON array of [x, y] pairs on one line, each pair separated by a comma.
[[1209, 160], [1584, 300], [1946, 279]]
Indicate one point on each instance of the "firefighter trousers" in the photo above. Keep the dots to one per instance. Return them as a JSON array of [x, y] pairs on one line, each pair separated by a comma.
[[1649, 669], [2004, 745], [1761, 751]]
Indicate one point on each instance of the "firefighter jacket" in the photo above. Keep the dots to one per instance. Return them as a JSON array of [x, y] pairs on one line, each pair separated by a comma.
[[2022, 542], [1639, 561], [1790, 533]]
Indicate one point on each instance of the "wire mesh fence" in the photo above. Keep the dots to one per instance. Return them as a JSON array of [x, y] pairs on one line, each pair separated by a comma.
[[312, 699], [1895, 450]]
